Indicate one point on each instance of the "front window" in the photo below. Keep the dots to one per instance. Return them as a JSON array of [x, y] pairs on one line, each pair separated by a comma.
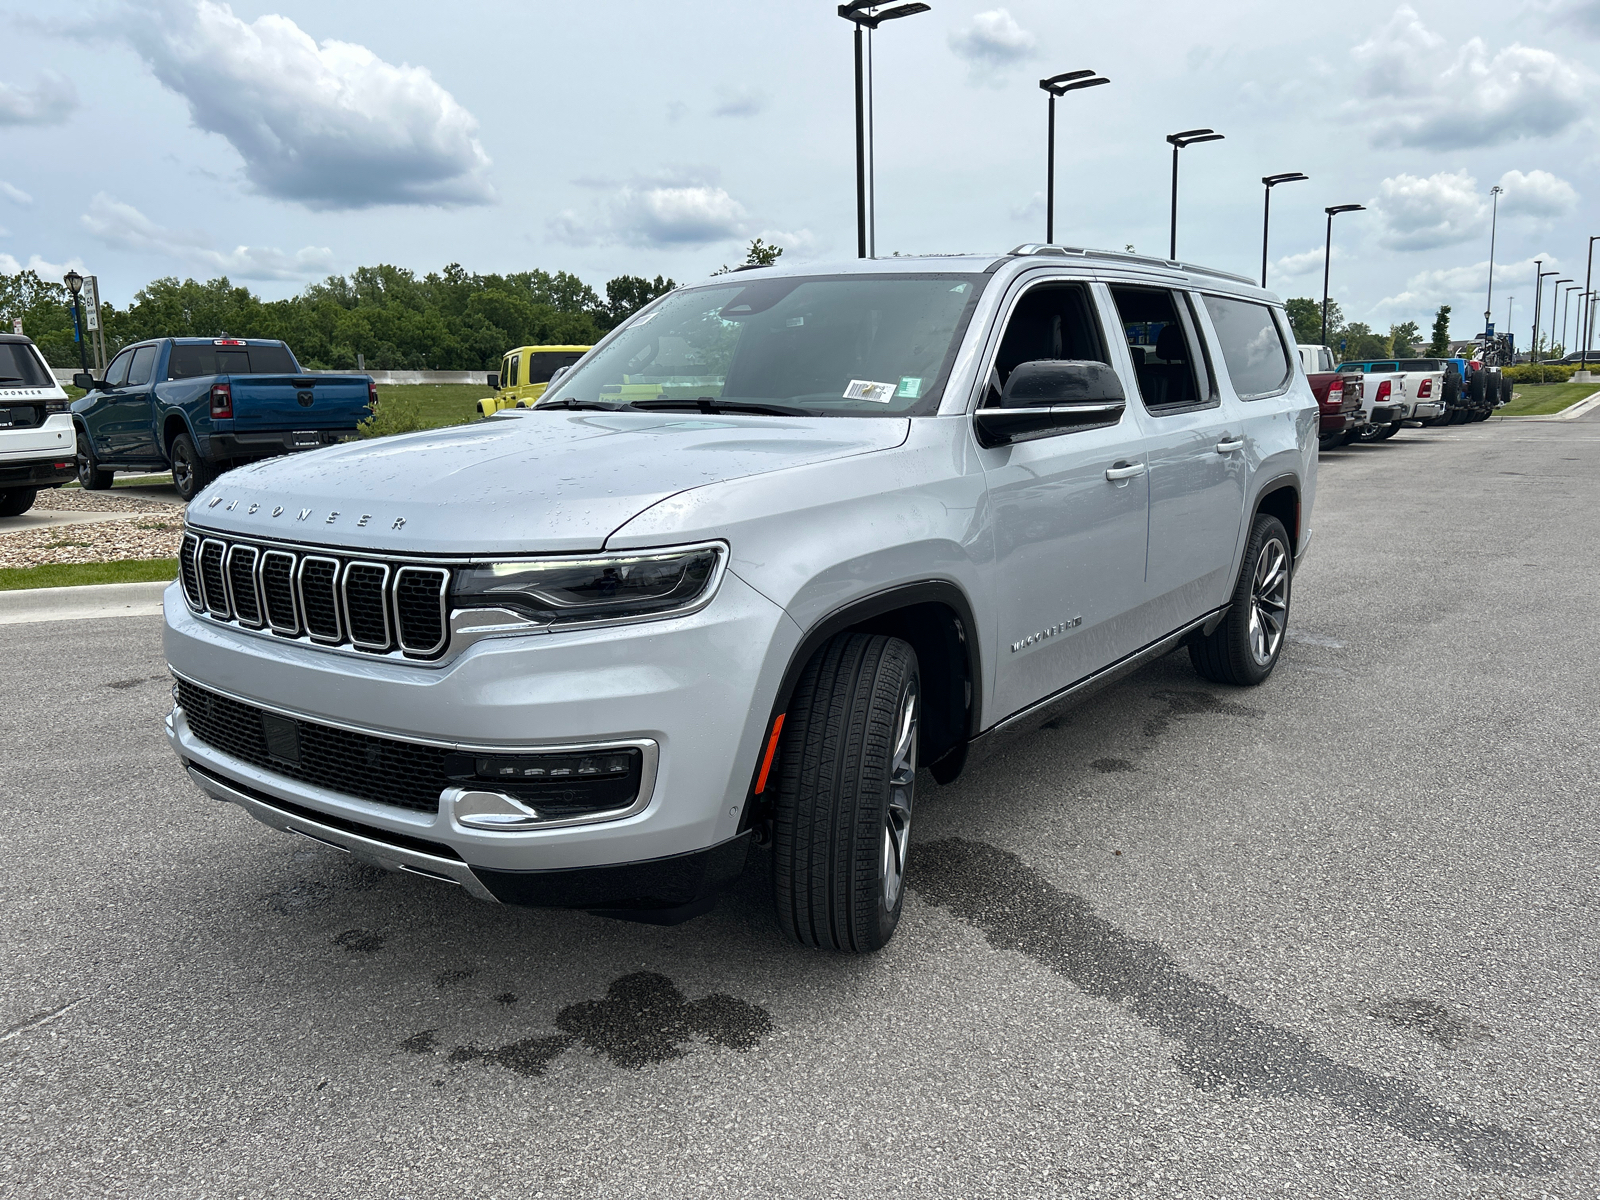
[[850, 345]]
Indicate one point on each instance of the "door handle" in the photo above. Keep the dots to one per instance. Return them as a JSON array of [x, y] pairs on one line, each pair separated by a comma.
[[1229, 445], [1124, 471]]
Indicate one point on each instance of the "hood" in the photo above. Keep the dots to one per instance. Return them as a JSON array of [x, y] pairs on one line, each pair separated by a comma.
[[532, 482]]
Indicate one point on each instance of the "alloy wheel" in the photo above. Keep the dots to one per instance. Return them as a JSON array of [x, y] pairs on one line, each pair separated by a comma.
[[902, 789], [1269, 601]]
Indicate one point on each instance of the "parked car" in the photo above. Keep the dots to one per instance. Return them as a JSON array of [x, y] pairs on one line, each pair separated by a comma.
[[201, 405], [1476, 392], [1340, 411], [35, 427], [1384, 404], [525, 373], [1423, 382], [878, 516]]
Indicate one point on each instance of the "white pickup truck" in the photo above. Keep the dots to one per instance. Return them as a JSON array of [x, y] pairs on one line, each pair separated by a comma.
[[1393, 392]]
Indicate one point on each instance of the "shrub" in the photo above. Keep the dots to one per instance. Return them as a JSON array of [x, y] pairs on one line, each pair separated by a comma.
[[394, 415], [1540, 373]]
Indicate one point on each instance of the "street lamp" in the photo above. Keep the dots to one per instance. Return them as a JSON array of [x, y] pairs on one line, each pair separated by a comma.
[[1273, 181], [1494, 224], [1588, 277], [1060, 85], [1538, 306], [1555, 296], [1189, 137], [864, 14], [1566, 312], [1327, 258], [74, 283]]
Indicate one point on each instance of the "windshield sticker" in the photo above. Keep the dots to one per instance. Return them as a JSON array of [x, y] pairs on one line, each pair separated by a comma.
[[648, 317], [910, 386], [865, 389], [794, 322]]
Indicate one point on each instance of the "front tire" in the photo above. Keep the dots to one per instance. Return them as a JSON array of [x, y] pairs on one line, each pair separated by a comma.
[[1246, 646], [16, 501], [91, 477], [846, 792], [190, 472]]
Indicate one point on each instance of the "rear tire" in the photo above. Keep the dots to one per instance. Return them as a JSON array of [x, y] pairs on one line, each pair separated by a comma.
[[190, 473], [1389, 431], [91, 478], [846, 784], [1330, 441], [1244, 648], [16, 501], [1372, 433]]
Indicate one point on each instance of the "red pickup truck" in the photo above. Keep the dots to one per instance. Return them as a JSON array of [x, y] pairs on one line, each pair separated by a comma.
[[1340, 411]]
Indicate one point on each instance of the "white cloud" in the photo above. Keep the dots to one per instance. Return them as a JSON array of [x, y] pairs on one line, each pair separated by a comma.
[[673, 210], [1536, 194], [124, 227], [1582, 15], [738, 102], [800, 245], [1478, 99], [15, 194], [1297, 266], [330, 126], [48, 271], [1465, 288], [48, 102], [992, 45], [1448, 208]]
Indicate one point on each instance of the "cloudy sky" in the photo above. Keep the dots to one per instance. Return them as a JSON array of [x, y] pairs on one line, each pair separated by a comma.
[[278, 141]]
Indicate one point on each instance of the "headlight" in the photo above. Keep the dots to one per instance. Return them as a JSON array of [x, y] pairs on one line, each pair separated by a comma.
[[613, 587]]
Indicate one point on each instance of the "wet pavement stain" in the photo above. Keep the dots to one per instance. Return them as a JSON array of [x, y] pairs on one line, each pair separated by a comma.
[[1192, 703], [445, 978], [1109, 766], [506, 998], [421, 1043], [299, 896], [360, 941], [1222, 1043], [1431, 1019], [530, 1057]]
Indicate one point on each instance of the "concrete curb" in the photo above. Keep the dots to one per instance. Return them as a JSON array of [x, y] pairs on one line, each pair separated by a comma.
[[1572, 411], [31, 605]]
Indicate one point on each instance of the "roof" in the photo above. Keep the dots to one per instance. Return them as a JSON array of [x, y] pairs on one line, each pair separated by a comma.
[[15, 339]]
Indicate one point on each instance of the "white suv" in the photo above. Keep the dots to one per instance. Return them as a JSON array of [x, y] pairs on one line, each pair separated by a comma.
[[38, 448]]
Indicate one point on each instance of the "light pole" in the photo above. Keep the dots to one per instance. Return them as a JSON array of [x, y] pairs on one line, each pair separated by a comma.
[[1538, 306], [1271, 182], [864, 14], [1189, 137], [1494, 224], [1566, 312], [1555, 296], [74, 283], [1588, 277], [1059, 85], [1327, 258]]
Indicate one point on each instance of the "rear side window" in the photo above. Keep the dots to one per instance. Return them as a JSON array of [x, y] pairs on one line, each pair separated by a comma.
[[542, 366], [1252, 346], [144, 360], [20, 367], [1173, 375], [190, 362]]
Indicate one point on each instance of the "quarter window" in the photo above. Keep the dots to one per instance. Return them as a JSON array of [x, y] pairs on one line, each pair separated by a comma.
[[1252, 346], [516, 360]]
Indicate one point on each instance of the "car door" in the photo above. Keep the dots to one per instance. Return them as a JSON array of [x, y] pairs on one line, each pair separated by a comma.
[[1068, 515], [135, 419], [1192, 447], [99, 417]]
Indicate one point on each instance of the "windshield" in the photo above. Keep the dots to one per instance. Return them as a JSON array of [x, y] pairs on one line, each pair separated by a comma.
[[20, 367], [851, 345]]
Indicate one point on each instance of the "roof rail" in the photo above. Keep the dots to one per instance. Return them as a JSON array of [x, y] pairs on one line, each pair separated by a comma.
[[1035, 249]]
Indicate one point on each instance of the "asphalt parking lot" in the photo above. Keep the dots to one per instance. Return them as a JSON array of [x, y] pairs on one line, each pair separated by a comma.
[[1335, 936]]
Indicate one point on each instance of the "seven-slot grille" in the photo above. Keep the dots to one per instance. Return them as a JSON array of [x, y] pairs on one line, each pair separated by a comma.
[[375, 607]]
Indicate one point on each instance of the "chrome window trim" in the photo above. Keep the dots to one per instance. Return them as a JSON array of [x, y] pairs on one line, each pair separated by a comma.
[[444, 611], [343, 586], [226, 614], [333, 597], [255, 582], [294, 592]]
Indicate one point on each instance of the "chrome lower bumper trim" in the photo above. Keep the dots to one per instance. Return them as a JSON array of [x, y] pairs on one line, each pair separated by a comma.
[[390, 858]]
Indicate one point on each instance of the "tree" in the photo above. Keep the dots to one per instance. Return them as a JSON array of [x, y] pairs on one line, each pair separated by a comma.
[[1305, 315], [46, 313], [1440, 346], [1403, 339], [1356, 342], [627, 294], [759, 254]]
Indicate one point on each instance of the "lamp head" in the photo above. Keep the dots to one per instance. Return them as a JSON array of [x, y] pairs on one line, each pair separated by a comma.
[[1056, 81], [74, 282], [1191, 137], [1285, 177], [1064, 88], [861, 12], [1344, 208]]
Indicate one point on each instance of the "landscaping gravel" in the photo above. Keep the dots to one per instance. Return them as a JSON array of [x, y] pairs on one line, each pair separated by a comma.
[[147, 534], [120, 500]]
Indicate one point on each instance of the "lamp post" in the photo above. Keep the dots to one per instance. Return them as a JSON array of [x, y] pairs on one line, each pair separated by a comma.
[[1538, 306], [1178, 141], [1555, 296], [1056, 86], [1588, 277], [865, 15], [1271, 182], [1327, 258], [1494, 224], [74, 283], [1566, 312]]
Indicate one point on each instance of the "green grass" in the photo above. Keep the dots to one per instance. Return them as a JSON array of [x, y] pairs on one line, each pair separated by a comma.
[[1537, 399], [141, 570], [441, 404]]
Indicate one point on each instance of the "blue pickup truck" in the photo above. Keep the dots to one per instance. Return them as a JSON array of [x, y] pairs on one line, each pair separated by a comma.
[[201, 405]]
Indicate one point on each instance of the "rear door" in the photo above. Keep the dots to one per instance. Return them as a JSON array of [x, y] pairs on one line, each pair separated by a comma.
[[1193, 445], [1069, 538]]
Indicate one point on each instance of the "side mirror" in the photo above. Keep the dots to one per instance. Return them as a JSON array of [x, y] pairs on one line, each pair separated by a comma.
[[83, 380], [1048, 397], [494, 381]]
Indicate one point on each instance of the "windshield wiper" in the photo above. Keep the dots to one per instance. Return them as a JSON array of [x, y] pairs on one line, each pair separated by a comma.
[[568, 402], [711, 406]]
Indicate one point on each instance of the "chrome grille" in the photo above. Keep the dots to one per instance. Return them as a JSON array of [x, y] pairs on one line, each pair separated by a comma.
[[374, 607]]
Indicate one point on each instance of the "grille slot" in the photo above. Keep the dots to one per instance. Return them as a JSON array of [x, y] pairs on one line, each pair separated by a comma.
[[277, 592], [242, 592], [319, 597], [366, 609], [189, 570], [213, 588], [419, 601]]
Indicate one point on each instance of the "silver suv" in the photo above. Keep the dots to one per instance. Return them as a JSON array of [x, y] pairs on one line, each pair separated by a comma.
[[776, 544]]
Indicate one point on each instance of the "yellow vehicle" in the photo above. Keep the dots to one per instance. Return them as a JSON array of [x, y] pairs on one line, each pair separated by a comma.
[[524, 374]]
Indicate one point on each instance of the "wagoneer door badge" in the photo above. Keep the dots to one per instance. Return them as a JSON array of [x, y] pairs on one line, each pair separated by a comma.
[[1033, 639]]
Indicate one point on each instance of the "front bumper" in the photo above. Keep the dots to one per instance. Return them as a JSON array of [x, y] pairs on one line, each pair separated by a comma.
[[700, 687]]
